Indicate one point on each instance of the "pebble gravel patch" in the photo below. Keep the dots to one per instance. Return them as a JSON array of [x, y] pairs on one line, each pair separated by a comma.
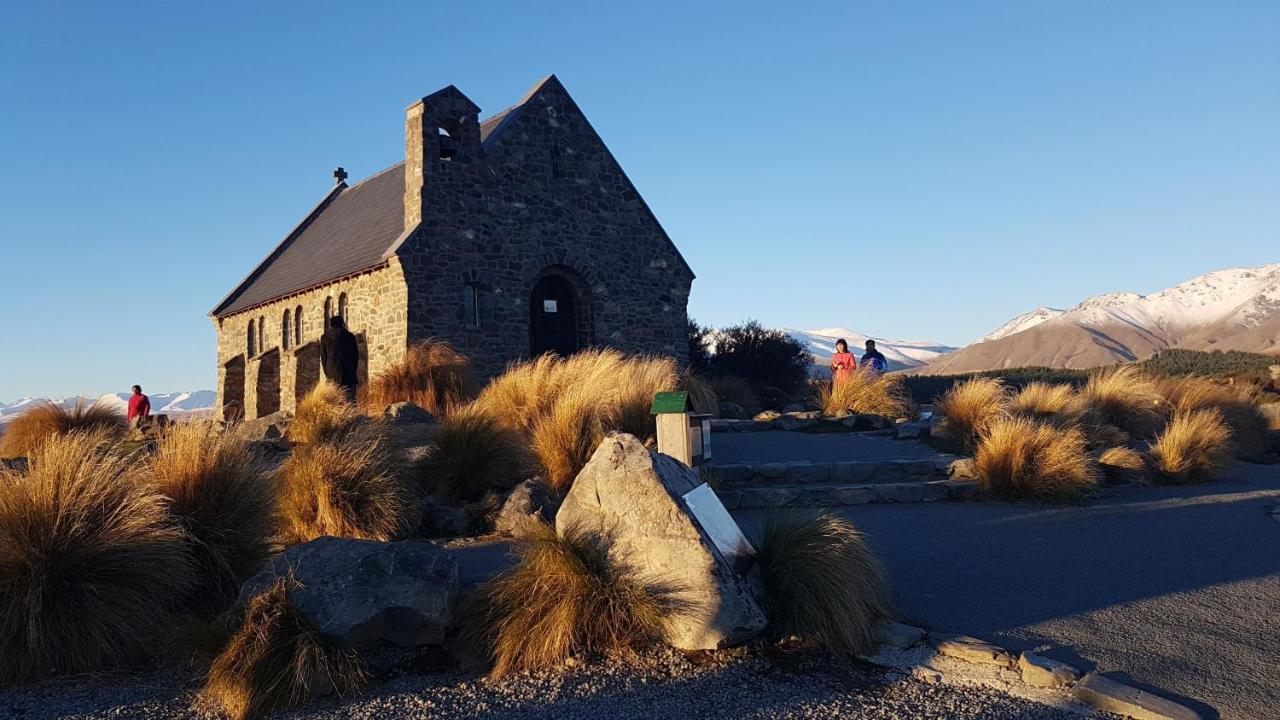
[[664, 684]]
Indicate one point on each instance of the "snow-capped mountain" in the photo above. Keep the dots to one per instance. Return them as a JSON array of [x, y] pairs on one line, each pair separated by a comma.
[[177, 405], [1235, 309], [901, 354]]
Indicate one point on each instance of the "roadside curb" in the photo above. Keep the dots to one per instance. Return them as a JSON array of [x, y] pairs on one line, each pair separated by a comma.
[[745, 486]]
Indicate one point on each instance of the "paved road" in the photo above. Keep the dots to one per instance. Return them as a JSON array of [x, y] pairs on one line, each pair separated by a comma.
[[1176, 588], [781, 446]]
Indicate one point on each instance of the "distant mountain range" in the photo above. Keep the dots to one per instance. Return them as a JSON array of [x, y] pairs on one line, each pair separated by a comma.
[[177, 405], [1236, 309]]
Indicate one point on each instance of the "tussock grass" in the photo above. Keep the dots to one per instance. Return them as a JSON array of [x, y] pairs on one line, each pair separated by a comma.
[[324, 414], [432, 375], [701, 394], [473, 454], [970, 408], [733, 389], [564, 439], [823, 583], [568, 598], [1250, 429], [90, 562], [1194, 447], [1020, 458], [1122, 464], [274, 660], [346, 487], [1125, 398], [24, 433], [224, 502], [866, 393], [1050, 402]]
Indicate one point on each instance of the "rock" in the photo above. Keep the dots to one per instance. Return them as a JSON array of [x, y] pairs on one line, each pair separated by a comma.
[[733, 474], [926, 674], [634, 496], [146, 428], [527, 502], [1272, 412], [905, 492], [790, 422], [1114, 697], [963, 647], [271, 427], [447, 521], [793, 407], [913, 430], [1045, 672], [406, 413], [963, 489], [767, 416], [360, 593], [733, 411], [899, 635], [808, 472], [963, 469], [772, 471]]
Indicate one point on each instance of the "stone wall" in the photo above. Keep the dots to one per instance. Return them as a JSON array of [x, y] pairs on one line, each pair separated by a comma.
[[375, 312]]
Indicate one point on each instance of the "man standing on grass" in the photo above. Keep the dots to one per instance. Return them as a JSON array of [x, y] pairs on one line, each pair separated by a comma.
[[340, 356], [872, 361], [139, 406]]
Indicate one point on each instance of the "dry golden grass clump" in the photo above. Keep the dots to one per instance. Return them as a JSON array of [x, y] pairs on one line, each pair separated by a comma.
[[1250, 429], [866, 393], [1125, 398], [1122, 464], [565, 437], [323, 414], [1023, 458], [432, 375], [274, 660], [567, 598], [90, 562], [1056, 403], [969, 408], [1194, 447], [347, 487], [473, 454], [701, 394], [823, 583], [27, 431], [733, 389], [222, 499]]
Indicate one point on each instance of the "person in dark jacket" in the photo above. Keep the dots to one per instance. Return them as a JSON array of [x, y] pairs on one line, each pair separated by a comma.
[[340, 355], [872, 360]]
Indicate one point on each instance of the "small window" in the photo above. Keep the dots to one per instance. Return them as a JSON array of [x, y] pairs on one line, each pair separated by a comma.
[[448, 147], [262, 334], [328, 310], [471, 305], [342, 307], [253, 338], [297, 326], [286, 335]]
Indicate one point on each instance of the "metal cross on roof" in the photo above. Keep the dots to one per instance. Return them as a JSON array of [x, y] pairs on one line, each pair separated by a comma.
[[339, 175]]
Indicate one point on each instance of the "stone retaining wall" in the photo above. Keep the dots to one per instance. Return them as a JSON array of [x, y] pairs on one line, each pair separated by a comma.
[[813, 485]]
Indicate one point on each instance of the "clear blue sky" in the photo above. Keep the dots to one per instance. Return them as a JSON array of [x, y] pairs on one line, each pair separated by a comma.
[[921, 170]]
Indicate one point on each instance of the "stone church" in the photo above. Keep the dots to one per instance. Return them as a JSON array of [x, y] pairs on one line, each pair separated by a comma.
[[509, 237]]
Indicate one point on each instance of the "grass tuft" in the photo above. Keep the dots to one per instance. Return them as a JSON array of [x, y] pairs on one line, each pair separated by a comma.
[[701, 394], [90, 562], [432, 375], [274, 660], [1125, 398], [1018, 458], [223, 500], [969, 409], [866, 393], [1122, 465], [1250, 429], [1194, 447], [25, 432], [823, 583], [1050, 402], [564, 439], [324, 414], [473, 454]]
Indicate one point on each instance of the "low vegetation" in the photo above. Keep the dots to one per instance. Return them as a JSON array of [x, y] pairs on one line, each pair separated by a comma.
[[701, 394], [970, 408], [223, 501], [25, 432], [567, 598], [768, 359], [1250, 430], [90, 561], [822, 583], [866, 393], [473, 454], [1195, 447], [274, 660], [1122, 465], [1020, 458], [347, 487], [432, 375], [1125, 398], [733, 389], [323, 414], [1050, 402]]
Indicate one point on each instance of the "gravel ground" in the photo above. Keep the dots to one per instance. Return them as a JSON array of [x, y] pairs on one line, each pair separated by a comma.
[[665, 684]]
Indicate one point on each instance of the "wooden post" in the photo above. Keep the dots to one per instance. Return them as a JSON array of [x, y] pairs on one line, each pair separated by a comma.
[[674, 439]]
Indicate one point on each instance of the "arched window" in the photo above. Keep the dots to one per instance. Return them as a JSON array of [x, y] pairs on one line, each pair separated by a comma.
[[286, 335], [297, 326], [253, 338], [342, 306], [328, 310], [262, 334]]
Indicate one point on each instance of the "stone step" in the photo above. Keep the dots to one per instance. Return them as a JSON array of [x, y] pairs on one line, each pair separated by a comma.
[[839, 495], [854, 472]]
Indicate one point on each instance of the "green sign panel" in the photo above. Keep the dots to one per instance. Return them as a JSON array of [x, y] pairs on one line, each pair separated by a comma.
[[670, 402]]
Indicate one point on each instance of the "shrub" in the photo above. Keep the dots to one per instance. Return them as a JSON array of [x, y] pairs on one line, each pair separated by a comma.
[[699, 353], [346, 487], [566, 597], [866, 393], [765, 358], [1122, 464], [970, 408], [1250, 429], [1056, 403], [823, 583], [733, 389], [1022, 458], [1194, 447], [432, 375], [1125, 398], [25, 432], [472, 455], [223, 500], [274, 660], [90, 561], [323, 414]]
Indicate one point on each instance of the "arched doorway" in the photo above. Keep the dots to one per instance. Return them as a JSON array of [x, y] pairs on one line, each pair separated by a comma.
[[553, 317]]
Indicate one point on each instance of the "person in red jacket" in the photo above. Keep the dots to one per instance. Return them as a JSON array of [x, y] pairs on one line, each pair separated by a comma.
[[139, 405], [842, 362]]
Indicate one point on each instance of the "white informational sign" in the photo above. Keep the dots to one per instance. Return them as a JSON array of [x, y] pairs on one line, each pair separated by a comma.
[[549, 306], [720, 526]]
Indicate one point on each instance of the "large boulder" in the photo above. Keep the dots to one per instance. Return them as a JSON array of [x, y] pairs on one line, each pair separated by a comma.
[[271, 428], [362, 593], [636, 498]]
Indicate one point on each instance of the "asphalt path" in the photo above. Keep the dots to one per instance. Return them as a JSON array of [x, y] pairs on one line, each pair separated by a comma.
[[782, 446], [1176, 590]]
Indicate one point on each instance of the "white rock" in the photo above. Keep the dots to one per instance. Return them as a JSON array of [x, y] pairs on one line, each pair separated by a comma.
[[1045, 672]]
